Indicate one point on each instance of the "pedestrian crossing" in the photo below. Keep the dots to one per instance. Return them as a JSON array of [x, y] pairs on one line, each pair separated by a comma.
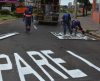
[[60, 35]]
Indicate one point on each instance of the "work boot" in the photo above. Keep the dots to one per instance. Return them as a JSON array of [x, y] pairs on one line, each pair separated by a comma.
[[27, 30], [83, 32]]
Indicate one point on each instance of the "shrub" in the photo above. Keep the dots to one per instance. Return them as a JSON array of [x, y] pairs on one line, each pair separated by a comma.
[[70, 10], [13, 13], [4, 12], [19, 15]]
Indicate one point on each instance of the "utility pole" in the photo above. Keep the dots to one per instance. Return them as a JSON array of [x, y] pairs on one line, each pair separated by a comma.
[[75, 9]]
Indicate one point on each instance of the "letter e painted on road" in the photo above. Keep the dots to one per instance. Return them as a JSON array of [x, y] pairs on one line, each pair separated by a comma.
[[6, 66], [75, 73]]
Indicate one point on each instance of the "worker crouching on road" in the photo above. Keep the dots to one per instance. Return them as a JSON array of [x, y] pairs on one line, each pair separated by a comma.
[[76, 25], [28, 18], [66, 19]]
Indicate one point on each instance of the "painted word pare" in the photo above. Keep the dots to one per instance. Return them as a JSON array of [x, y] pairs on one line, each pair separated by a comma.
[[27, 69]]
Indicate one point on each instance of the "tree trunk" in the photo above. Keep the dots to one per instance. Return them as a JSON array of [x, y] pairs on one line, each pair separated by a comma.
[[86, 10], [13, 7], [83, 10]]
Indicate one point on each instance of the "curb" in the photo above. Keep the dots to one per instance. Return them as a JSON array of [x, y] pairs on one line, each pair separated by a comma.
[[6, 21], [94, 35]]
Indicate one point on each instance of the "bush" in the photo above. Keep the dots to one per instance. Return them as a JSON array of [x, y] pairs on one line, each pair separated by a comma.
[[13, 13], [70, 10], [19, 15], [4, 12]]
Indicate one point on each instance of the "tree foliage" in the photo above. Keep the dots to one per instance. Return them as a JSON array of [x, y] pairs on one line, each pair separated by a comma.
[[1, 4], [86, 4]]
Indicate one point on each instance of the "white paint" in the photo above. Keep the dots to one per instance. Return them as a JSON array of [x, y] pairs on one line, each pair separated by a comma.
[[25, 70], [35, 27], [76, 73], [6, 66], [44, 61], [60, 35], [3, 36], [84, 60]]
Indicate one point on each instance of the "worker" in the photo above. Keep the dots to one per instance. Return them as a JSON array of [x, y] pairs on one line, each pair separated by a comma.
[[66, 19], [75, 25], [28, 18]]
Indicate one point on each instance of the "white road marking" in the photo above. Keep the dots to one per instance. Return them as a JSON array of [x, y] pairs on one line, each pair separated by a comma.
[[35, 27], [60, 35], [25, 70], [76, 73], [3, 36], [84, 60], [44, 61], [7, 66]]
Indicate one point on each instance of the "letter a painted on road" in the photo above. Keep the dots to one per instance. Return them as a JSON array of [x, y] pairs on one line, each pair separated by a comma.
[[25, 70]]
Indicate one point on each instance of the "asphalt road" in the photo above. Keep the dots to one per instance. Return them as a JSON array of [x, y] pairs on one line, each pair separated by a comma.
[[40, 56]]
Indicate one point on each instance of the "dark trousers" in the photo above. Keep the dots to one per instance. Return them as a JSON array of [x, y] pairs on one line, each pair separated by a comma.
[[28, 24], [65, 27]]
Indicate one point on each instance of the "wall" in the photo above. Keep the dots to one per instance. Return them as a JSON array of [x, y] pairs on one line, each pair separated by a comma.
[[95, 14]]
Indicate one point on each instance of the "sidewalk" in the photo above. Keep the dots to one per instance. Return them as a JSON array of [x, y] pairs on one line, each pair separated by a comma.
[[89, 25]]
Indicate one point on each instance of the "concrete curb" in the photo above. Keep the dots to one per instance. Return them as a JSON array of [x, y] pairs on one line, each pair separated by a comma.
[[6, 21], [94, 35]]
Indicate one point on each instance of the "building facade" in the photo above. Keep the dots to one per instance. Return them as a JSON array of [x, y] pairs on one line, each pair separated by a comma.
[[8, 1], [96, 10], [70, 5]]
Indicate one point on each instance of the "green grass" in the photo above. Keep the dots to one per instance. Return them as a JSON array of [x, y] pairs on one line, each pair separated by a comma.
[[6, 17]]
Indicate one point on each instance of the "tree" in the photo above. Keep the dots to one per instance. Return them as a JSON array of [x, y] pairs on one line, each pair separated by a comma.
[[85, 6], [13, 7], [1, 4]]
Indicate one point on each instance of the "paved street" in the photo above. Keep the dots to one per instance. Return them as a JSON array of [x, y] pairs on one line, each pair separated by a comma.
[[41, 56]]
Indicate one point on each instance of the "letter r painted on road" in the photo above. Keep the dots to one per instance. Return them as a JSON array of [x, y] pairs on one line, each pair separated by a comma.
[[6, 66], [44, 61], [25, 70]]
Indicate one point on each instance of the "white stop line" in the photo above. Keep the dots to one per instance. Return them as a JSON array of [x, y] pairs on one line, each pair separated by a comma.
[[3, 36], [84, 60]]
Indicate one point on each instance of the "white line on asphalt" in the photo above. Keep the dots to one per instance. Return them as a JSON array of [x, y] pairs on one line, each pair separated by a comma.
[[35, 27], [3, 36], [84, 60]]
